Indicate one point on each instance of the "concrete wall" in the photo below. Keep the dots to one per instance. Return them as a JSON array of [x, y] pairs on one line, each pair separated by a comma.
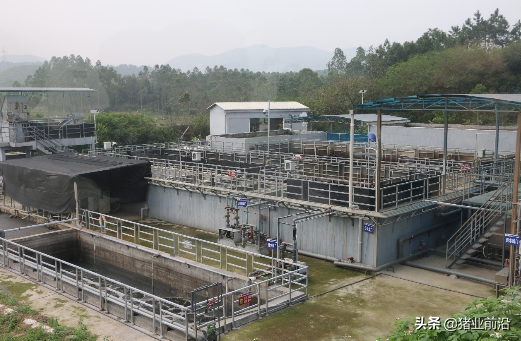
[[172, 276], [471, 139], [222, 143], [235, 121], [389, 235], [61, 244], [337, 238], [217, 121]]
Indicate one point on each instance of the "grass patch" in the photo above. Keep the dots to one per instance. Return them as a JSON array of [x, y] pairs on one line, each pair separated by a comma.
[[13, 328], [59, 303], [18, 289]]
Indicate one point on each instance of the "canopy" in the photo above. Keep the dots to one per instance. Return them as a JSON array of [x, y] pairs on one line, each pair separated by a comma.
[[47, 182]]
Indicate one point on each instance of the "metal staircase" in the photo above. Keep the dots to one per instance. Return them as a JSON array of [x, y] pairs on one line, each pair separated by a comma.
[[489, 218], [46, 143]]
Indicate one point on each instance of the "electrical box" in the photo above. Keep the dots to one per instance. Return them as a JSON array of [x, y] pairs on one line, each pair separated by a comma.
[[196, 156], [482, 152], [289, 165], [108, 145], [104, 203]]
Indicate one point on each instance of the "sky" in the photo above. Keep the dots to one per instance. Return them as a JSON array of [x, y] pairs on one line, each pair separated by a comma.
[[155, 31]]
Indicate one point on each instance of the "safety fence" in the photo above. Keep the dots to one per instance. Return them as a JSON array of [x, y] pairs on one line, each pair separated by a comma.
[[128, 303], [401, 183], [278, 283]]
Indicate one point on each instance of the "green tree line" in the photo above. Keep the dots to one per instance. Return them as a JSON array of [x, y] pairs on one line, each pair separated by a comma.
[[479, 56]]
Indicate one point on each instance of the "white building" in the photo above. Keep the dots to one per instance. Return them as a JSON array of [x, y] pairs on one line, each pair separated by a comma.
[[244, 117]]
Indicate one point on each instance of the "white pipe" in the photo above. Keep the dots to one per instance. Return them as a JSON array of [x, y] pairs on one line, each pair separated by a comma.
[[351, 159], [360, 232]]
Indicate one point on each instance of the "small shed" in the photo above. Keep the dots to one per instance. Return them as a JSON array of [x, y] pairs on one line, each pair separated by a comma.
[[245, 117]]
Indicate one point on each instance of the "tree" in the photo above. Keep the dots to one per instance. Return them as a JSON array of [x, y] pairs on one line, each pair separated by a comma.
[[185, 99], [338, 63], [505, 309]]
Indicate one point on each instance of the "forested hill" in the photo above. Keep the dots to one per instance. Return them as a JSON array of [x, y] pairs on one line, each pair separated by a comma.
[[483, 55]]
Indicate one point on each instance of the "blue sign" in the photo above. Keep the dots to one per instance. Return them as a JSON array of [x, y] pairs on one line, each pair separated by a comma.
[[511, 239], [242, 202], [272, 244], [369, 228]]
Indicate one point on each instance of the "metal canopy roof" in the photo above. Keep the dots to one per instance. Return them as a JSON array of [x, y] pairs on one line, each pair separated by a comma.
[[242, 106], [366, 118], [31, 89], [449, 102]]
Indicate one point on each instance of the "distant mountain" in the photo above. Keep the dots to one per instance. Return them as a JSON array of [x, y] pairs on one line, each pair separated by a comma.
[[18, 72], [23, 59], [261, 58], [127, 69]]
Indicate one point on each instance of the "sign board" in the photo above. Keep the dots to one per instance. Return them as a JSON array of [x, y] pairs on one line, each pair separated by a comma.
[[232, 174], [272, 244], [187, 244], [511, 239], [242, 202], [245, 298], [369, 228], [465, 166], [94, 111]]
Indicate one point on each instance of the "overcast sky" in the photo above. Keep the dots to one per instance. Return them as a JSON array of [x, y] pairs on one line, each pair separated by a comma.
[[154, 31]]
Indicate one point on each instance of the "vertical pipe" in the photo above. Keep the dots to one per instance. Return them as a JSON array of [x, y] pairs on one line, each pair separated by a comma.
[[445, 146], [77, 203], [351, 159], [126, 303], [513, 227], [258, 300], [267, 300], [360, 232], [233, 310], [269, 105], [496, 145], [378, 158]]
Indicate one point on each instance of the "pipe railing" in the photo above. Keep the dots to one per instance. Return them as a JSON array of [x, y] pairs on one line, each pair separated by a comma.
[[285, 282], [100, 291]]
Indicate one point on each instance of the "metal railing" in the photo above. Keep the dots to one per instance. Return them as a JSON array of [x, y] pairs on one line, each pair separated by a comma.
[[177, 244], [100, 291], [497, 206], [279, 284], [282, 282]]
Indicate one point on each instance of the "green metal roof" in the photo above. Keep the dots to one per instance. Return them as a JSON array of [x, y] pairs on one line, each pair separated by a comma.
[[449, 102]]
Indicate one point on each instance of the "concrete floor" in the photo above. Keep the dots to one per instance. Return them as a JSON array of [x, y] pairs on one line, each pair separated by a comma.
[[8, 222]]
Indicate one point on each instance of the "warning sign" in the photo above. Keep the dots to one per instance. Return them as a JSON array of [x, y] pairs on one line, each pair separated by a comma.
[[245, 299]]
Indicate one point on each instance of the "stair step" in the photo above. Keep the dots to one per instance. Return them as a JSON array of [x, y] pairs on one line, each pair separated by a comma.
[[494, 228], [465, 256], [488, 234], [476, 245], [460, 261], [482, 239]]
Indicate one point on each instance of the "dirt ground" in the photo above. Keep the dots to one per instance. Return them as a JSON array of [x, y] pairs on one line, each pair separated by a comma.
[[365, 310], [68, 312]]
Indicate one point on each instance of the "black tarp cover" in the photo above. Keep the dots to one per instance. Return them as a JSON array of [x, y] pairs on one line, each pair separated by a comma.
[[47, 182]]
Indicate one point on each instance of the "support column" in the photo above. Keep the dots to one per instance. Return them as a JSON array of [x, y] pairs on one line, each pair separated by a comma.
[[513, 227], [378, 158], [2, 154], [351, 158], [496, 145], [445, 146]]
